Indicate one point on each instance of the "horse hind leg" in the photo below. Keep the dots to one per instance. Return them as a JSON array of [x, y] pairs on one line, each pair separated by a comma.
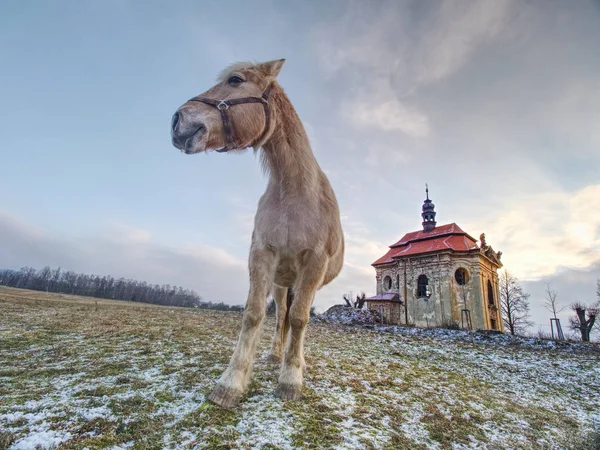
[[283, 300], [293, 366]]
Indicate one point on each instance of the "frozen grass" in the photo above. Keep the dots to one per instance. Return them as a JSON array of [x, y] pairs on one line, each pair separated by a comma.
[[76, 373]]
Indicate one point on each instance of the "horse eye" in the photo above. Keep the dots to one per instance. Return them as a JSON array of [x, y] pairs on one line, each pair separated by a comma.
[[235, 80]]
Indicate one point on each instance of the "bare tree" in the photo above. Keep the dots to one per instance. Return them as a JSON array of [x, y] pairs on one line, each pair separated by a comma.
[[551, 303], [356, 304], [585, 317], [515, 304], [44, 277], [348, 299], [360, 300]]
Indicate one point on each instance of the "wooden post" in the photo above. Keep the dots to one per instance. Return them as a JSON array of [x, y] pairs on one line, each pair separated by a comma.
[[466, 314], [559, 332], [465, 317]]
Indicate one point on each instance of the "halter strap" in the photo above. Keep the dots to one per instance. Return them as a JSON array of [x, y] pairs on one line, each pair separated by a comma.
[[223, 106]]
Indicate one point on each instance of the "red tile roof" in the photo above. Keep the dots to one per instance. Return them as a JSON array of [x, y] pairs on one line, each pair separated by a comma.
[[442, 230], [445, 237]]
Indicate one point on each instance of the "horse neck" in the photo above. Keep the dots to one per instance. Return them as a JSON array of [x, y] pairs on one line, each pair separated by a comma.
[[287, 155]]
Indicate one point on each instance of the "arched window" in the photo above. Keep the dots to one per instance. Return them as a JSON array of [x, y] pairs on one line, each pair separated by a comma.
[[490, 290], [461, 276], [422, 283], [387, 283]]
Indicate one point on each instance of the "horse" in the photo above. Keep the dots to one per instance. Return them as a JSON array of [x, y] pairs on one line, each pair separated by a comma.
[[297, 244]]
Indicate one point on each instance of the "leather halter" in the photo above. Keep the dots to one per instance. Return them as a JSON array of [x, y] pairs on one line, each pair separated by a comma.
[[223, 106]]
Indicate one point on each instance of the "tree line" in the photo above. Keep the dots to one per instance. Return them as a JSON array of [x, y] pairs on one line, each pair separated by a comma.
[[70, 282]]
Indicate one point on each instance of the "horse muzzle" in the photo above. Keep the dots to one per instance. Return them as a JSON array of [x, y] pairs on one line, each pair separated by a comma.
[[188, 133]]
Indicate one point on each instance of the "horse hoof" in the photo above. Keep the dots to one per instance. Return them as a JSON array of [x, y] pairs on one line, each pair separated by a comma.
[[289, 391], [224, 397], [274, 359]]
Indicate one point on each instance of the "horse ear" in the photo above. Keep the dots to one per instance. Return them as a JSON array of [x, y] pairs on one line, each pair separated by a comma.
[[271, 68]]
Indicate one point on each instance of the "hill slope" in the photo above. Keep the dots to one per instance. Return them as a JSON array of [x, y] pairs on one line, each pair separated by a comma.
[[76, 373]]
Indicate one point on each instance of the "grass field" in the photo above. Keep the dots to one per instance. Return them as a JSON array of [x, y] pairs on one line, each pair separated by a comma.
[[76, 373]]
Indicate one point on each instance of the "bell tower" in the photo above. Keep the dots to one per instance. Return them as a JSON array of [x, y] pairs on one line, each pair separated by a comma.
[[428, 213]]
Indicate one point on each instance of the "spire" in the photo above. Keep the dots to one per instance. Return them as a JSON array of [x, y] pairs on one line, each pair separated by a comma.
[[428, 212]]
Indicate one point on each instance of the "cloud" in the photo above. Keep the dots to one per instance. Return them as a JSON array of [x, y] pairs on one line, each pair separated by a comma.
[[379, 155], [124, 251], [388, 116], [452, 33], [545, 232], [392, 51], [127, 234]]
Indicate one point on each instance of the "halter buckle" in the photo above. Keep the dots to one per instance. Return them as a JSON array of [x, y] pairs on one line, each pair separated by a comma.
[[222, 105]]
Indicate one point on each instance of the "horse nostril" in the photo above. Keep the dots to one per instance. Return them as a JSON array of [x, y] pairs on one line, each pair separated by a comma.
[[174, 121]]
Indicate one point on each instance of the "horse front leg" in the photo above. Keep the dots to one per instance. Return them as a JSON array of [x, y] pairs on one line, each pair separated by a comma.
[[292, 369], [234, 381], [280, 295]]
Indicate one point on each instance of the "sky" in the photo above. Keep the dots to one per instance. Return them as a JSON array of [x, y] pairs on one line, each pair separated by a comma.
[[495, 104]]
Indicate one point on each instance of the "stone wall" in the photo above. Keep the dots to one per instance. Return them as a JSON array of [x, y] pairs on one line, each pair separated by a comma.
[[447, 298], [392, 312]]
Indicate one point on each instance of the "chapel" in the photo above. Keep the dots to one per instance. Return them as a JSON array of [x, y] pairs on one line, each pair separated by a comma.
[[438, 276]]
